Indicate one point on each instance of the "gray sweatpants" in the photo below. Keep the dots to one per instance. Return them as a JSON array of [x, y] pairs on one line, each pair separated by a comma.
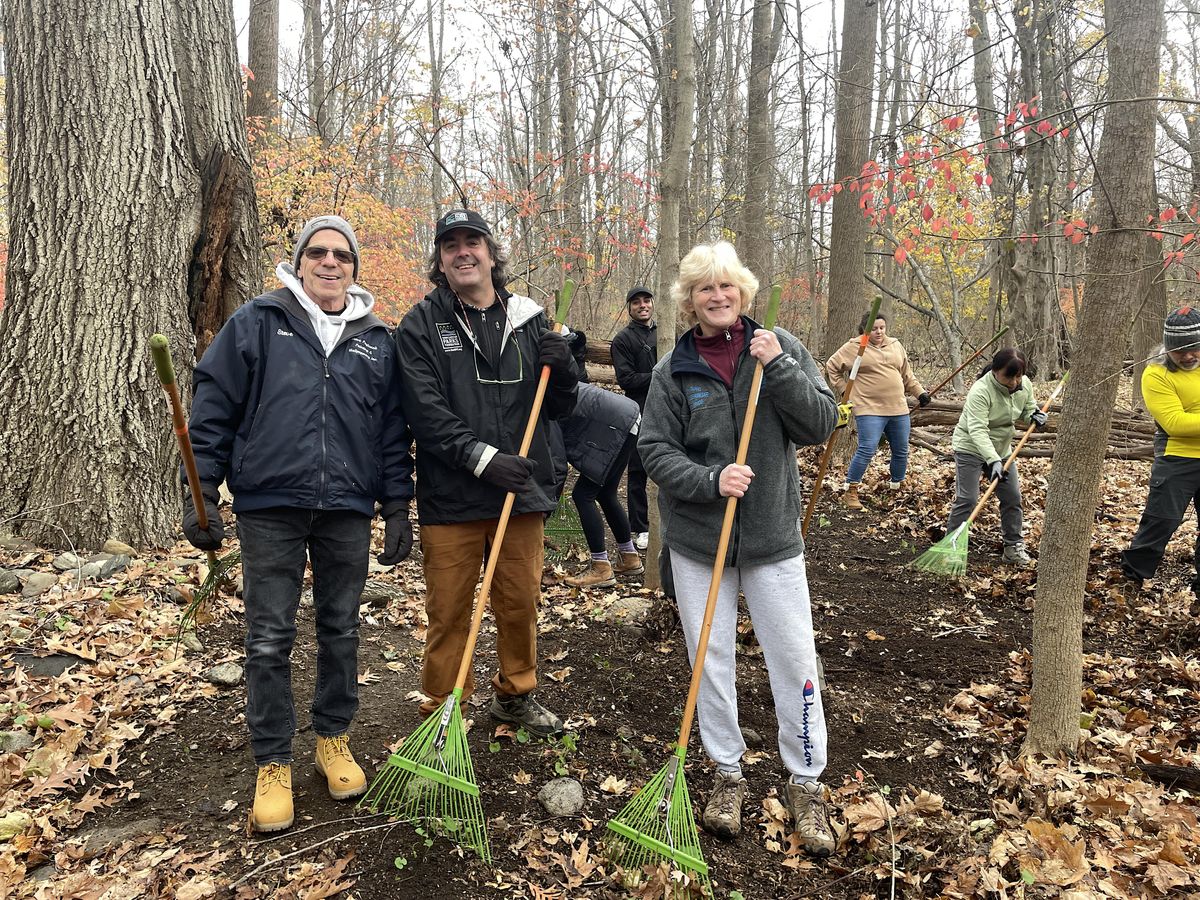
[[777, 596], [966, 495]]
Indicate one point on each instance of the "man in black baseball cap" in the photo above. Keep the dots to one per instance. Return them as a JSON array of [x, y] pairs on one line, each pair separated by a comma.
[[471, 355], [634, 353]]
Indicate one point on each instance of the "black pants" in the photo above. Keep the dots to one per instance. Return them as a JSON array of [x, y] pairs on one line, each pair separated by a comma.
[[639, 513], [587, 492], [1174, 483]]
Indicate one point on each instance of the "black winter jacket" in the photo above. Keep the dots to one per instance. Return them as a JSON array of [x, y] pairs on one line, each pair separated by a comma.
[[634, 353], [596, 430], [459, 422], [285, 426]]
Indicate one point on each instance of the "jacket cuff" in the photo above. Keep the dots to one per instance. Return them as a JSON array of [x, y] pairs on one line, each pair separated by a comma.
[[391, 507], [480, 457]]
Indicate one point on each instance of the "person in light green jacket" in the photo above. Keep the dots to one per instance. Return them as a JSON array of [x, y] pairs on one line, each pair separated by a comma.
[[982, 440]]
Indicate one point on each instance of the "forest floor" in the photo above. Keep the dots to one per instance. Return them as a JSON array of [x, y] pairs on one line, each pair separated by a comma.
[[139, 777]]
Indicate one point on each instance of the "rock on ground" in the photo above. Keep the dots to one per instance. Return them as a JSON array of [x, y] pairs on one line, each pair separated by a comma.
[[562, 797], [225, 675], [38, 583], [9, 583]]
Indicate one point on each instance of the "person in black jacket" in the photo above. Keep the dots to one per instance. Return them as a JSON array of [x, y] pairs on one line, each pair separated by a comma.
[[297, 408], [634, 353], [472, 353]]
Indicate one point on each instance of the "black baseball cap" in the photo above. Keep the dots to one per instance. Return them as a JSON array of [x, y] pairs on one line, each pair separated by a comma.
[[460, 218], [635, 290]]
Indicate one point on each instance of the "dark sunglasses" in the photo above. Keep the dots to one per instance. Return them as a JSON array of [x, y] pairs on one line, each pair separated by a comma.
[[345, 257]]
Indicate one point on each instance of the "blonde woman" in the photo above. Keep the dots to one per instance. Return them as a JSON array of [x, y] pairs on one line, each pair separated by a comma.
[[688, 441]]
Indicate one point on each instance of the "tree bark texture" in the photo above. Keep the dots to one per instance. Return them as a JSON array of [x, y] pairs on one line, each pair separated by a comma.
[[1123, 198], [848, 232], [755, 244], [131, 204], [263, 102]]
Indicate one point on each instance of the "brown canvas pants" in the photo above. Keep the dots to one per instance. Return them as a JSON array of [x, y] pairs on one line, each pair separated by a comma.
[[453, 558]]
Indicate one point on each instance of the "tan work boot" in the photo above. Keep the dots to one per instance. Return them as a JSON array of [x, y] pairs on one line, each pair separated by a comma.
[[723, 812], [850, 498], [598, 574], [273, 798], [810, 818], [630, 564], [335, 761]]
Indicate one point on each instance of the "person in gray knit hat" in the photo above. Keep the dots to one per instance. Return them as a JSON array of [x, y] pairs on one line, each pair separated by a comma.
[[297, 408], [1171, 391]]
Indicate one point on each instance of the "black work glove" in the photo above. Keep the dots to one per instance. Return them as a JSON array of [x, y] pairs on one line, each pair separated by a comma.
[[1038, 418], [554, 352], [211, 538], [512, 474], [924, 400], [397, 533], [995, 471]]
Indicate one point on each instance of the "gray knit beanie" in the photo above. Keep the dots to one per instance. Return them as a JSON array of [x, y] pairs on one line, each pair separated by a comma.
[[1181, 330], [320, 223]]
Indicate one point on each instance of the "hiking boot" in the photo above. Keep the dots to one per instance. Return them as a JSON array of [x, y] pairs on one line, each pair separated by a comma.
[[895, 485], [810, 818], [850, 498], [549, 577], [723, 812], [598, 574], [629, 564], [527, 713], [641, 540], [273, 798], [1015, 554], [335, 761]]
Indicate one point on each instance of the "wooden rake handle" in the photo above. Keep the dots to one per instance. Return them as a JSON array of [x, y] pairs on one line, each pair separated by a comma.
[[974, 356], [489, 572], [160, 352], [714, 585], [991, 488], [819, 481]]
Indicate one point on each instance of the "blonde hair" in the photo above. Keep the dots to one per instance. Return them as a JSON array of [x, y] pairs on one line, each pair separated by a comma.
[[708, 262]]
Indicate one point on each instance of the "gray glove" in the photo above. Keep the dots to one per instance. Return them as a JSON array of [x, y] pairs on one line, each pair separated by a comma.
[[995, 471], [397, 533], [1038, 418], [512, 474]]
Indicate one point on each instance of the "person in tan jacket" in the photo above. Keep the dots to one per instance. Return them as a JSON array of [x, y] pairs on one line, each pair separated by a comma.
[[884, 379]]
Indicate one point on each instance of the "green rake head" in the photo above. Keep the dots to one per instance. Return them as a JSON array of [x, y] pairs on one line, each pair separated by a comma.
[[655, 835], [430, 783], [948, 556]]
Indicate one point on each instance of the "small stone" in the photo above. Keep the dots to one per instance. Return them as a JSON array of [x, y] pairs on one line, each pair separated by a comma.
[[191, 642], [17, 545], [9, 583], [43, 873], [38, 583], [15, 741], [117, 548], [112, 566], [379, 593], [630, 610], [65, 562], [752, 738], [562, 797], [225, 675], [90, 570], [99, 557], [131, 682], [18, 633]]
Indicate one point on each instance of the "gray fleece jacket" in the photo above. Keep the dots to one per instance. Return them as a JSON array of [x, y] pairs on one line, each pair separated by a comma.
[[690, 432]]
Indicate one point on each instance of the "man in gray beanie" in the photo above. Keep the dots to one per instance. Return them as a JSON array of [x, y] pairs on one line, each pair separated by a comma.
[[297, 407], [1171, 390]]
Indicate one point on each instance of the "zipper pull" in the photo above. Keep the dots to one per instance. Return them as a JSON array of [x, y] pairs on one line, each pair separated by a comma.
[[728, 336], [325, 363]]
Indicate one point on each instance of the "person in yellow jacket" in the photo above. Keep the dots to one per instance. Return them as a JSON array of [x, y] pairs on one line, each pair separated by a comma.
[[982, 440], [884, 378], [1171, 389]]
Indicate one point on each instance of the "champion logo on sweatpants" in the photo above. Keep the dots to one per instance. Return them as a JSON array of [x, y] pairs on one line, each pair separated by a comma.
[[810, 697]]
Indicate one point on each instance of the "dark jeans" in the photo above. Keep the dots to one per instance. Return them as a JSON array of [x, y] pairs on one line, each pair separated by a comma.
[[274, 545], [1174, 483], [587, 492], [870, 430], [635, 489]]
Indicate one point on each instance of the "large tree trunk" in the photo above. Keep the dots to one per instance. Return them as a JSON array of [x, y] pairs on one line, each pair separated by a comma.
[[130, 204], [755, 241], [848, 236], [263, 102], [680, 99], [1123, 199]]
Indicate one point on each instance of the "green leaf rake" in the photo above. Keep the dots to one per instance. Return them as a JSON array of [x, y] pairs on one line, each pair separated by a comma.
[[949, 555], [430, 782], [658, 827]]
